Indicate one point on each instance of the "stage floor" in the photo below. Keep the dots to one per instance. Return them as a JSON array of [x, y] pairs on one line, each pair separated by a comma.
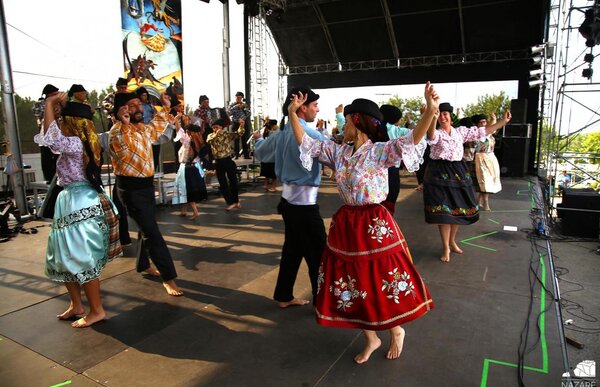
[[227, 331]]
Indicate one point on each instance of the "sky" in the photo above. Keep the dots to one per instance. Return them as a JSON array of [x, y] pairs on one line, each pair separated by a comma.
[[79, 41]]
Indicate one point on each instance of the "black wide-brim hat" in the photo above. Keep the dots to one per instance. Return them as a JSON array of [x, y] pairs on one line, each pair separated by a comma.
[[391, 113], [365, 106], [446, 107], [312, 96], [77, 109], [49, 89], [221, 122], [478, 117], [121, 99]]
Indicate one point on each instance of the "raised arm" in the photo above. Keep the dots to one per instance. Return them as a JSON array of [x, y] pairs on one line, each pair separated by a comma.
[[296, 102], [492, 128], [433, 100], [52, 104]]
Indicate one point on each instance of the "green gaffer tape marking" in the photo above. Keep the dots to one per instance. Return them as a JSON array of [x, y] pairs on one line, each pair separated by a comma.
[[466, 241], [532, 201], [62, 384], [494, 221], [544, 344], [522, 190]]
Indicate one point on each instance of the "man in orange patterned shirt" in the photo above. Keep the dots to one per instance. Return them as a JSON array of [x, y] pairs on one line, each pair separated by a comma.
[[131, 150]]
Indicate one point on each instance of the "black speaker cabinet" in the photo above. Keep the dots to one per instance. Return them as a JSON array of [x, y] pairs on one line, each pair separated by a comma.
[[515, 154], [518, 109], [581, 224]]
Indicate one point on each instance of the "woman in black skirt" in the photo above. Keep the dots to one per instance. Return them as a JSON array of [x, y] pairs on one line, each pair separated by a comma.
[[448, 192], [267, 168]]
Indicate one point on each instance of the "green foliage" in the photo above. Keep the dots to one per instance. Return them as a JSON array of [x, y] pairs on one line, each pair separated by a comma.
[[488, 104], [26, 122], [411, 106]]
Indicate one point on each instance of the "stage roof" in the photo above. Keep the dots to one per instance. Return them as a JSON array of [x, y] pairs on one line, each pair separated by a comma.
[[394, 42]]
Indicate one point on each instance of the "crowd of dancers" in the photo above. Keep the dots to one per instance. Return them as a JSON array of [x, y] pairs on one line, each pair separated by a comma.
[[361, 272]]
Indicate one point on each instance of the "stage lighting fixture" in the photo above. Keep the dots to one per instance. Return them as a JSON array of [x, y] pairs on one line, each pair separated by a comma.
[[535, 82], [587, 73], [537, 49], [536, 72]]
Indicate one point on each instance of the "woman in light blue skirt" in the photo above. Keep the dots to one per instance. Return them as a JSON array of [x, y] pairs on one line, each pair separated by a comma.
[[85, 227]]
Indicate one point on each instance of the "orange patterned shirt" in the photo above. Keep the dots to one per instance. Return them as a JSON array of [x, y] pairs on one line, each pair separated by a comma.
[[131, 147]]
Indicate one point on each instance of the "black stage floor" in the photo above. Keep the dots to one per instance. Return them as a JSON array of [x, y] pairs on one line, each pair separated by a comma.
[[227, 331]]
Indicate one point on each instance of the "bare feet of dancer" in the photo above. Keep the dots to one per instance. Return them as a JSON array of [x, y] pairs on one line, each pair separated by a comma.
[[396, 343], [445, 255], [294, 302], [90, 319], [373, 342], [193, 217], [152, 271], [455, 249], [172, 289], [71, 312], [238, 205], [231, 207]]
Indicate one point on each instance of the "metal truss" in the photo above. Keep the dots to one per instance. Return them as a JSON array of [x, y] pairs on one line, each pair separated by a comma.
[[423, 61]]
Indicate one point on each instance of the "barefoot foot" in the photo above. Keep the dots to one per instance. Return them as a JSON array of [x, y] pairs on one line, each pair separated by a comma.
[[193, 217], [71, 312], [172, 289], [445, 255], [231, 207], [152, 271], [396, 345], [456, 249], [88, 320], [370, 347], [294, 302]]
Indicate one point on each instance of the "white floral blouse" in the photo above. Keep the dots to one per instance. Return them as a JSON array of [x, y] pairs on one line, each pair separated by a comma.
[[362, 175]]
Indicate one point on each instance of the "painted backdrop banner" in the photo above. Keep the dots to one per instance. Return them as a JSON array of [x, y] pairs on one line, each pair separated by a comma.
[[152, 46]]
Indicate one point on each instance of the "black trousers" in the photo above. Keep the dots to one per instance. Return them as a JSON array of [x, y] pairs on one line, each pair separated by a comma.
[[156, 157], [244, 139], [141, 206], [304, 237], [393, 184], [48, 163], [227, 176], [123, 219]]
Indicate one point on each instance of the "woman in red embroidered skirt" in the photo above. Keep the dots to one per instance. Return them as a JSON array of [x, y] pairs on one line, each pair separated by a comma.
[[367, 279]]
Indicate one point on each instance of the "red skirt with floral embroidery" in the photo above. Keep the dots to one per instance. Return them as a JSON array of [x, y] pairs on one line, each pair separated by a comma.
[[367, 279]]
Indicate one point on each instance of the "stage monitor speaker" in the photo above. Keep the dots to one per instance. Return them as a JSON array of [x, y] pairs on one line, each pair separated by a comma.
[[516, 130], [518, 109], [515, 154], [580, 223]]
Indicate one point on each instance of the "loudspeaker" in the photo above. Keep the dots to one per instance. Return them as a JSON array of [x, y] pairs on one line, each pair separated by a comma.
[[516, 130], [515, 154], [518, 109], [580, 223]]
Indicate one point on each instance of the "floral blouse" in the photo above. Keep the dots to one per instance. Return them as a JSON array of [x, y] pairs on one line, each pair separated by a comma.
[[185, 153], [362, 175], [449, 147], [486, 145], [69, 166]]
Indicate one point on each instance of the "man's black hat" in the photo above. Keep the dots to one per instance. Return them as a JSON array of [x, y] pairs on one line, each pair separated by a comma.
[[466, 121], [391, 113], [121, 99], [312, 96], [221, 122], [202, 98], [141, 90], [239, 94], [478, 117], [49, 89], [121, 82], [75, 88]]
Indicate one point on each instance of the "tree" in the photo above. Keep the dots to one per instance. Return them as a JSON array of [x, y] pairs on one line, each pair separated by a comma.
[[26, 122], [410, 106], [487, 104]]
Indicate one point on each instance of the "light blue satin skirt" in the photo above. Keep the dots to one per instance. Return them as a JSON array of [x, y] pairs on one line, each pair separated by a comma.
[[78, 242]]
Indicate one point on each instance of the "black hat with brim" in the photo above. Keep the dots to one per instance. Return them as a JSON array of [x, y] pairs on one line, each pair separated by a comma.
[[365, 106], [465, 121], [391, 113], [239, 94], [221, 122], [446, 107], [77, 109], [311, 97], [121, 82], [478, 117], [49, 89], [121, 99]]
